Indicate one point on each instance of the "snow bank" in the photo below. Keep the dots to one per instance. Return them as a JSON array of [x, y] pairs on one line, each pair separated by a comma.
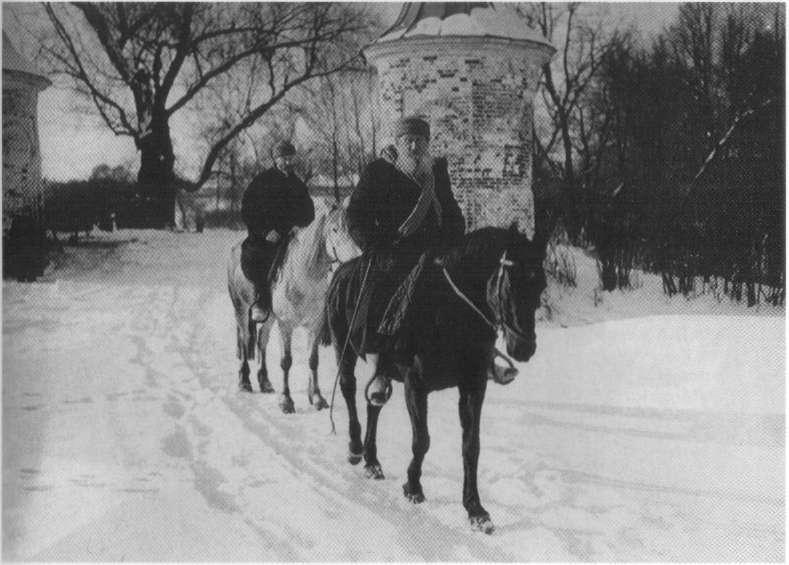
[[586, 303], [124, 437]]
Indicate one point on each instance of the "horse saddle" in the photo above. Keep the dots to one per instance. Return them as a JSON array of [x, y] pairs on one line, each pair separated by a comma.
[[261, 260]]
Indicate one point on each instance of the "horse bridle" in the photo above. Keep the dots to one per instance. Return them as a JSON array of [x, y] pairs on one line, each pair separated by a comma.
[[504, 264]]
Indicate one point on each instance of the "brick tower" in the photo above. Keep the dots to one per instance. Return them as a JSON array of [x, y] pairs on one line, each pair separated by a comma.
[[24, 236], [471, 70], [21, 156]]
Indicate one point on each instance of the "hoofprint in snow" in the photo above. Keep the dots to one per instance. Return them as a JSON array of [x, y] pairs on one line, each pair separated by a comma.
[[657, 437]]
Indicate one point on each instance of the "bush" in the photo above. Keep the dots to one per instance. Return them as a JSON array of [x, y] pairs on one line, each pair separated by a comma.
[[73, 206], [25, 248], [77, 206], [560, 265]]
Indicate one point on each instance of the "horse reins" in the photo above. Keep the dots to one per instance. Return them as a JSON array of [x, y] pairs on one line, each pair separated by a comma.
[[503, 263], [467, 300]]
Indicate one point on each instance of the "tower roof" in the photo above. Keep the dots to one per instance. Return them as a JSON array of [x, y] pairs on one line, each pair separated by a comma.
[[460, 19], [13, 61]]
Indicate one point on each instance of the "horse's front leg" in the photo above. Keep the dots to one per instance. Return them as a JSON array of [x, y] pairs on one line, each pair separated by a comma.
[[416, 402], [470, 411], [314, 391], [285, 401]]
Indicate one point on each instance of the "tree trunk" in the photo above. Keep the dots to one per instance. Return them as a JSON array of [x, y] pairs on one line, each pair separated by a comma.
[[156, 178], [573, 222]]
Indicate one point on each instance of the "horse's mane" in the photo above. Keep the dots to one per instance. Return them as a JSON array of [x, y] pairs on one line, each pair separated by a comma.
[[314, 259], [317, 248], [481, 247], [305, 251]]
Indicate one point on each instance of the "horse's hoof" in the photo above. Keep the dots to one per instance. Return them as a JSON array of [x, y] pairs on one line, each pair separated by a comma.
[[416, 496], [266, 388], [244, 387], [318, 402], [354, 458], [374, 471], [481, 523], [286, 405]]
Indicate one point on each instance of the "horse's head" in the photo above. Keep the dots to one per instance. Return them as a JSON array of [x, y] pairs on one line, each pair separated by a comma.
[[339, 245], [514, 290]]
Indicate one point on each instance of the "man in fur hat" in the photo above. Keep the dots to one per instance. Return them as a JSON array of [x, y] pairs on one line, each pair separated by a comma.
[[274, 203], [396, 214]]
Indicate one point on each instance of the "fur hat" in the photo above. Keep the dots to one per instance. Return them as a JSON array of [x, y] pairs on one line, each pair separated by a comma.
[[412, 125], [284, 149]]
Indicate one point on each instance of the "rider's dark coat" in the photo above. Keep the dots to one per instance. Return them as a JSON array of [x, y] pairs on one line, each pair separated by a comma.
[[273, 201], [383, 199]]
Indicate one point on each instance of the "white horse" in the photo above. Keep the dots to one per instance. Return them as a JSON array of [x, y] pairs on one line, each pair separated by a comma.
[[298, 296]]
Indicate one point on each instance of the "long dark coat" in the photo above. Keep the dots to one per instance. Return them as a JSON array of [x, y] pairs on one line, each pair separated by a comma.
[[383, 199], [273, 201]]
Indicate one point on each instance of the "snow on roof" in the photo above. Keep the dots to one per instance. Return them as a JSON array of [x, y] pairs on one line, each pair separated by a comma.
[[466, 20], [13, 61]]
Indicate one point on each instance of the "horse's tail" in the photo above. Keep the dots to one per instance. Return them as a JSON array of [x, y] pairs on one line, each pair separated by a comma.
[[246, 329]]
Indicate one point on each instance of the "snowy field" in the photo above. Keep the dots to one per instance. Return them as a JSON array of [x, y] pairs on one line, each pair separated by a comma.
[[643, 429]]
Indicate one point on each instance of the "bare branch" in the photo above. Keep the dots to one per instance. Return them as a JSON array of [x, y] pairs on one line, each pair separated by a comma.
[[252, 117], [75, 69], [102, 28], [725, 139]]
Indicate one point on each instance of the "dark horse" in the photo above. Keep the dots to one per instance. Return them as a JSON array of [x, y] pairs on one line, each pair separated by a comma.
[[493, 281]]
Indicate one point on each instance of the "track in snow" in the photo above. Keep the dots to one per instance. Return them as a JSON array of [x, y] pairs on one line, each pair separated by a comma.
[[125, 438]]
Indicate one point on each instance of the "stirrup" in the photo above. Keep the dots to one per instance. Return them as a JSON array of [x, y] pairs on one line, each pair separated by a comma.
[[377, 400], [502, 375]]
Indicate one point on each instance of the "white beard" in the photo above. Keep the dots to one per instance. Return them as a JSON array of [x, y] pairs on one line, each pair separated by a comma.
[[416, 168]]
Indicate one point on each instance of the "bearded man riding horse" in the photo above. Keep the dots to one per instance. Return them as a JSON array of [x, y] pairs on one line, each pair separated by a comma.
[[425, 302], [396, 214]]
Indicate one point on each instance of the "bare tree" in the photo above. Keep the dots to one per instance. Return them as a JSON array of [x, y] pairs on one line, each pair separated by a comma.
[[141, 63], [582, 40], [339, 113]]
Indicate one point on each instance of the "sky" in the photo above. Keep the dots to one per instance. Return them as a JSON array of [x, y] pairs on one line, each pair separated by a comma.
[[74, 141]]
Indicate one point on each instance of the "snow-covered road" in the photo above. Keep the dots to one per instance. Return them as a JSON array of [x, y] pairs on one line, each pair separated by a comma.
[[125, 438]]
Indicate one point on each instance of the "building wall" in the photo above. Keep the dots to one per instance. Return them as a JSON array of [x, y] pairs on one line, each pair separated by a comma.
[[22, 184], [477, 95]]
